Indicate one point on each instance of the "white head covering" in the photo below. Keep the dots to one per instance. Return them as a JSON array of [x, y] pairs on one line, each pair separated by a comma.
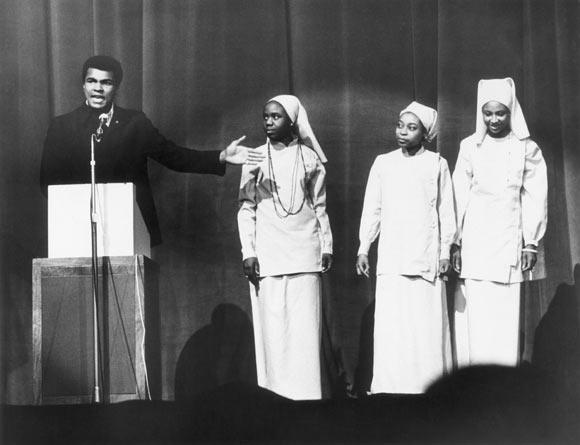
[[299, 118], [504, 92], [427, 116]]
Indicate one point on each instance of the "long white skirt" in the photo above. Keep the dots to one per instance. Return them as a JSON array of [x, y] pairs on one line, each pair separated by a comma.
[[286, 314], [412, 346], [487, 319]]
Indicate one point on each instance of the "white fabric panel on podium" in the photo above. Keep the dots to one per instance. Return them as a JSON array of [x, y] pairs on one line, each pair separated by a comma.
[[121, 230]]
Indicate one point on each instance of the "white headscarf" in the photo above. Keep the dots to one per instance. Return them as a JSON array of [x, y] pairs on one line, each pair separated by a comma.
[[504, 92], [427, 116], [299, 118]]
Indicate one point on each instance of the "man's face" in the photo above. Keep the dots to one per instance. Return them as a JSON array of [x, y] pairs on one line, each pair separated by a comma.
[[99, 88]]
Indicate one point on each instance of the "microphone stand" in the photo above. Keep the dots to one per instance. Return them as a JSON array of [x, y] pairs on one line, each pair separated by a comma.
[[95, 138]]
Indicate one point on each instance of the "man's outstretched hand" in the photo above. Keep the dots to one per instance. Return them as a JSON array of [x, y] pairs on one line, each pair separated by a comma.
[[239, 154]]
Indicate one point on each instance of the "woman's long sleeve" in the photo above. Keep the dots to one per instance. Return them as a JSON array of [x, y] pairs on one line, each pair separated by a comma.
[[247, 212], [534, 195], [446, 211], [317, 191], [462, 176], [370, 222]]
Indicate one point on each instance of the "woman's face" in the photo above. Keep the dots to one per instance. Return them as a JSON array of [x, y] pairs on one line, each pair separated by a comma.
[[277, 124], [496, 117], [409, 131]]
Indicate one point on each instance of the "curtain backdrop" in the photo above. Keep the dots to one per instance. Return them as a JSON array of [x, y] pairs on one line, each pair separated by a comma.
[[202, 70]]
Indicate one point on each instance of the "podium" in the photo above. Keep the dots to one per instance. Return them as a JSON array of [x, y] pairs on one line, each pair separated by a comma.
[[63, 343], [121, 230]]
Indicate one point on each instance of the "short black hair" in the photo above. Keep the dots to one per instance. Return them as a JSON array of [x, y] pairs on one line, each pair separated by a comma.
[[104, 63]]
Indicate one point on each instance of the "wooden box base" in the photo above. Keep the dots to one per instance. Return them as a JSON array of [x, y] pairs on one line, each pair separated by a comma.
[[63, 368]]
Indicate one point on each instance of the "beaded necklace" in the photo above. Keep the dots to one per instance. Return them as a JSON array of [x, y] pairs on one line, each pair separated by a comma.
[[285, 212]]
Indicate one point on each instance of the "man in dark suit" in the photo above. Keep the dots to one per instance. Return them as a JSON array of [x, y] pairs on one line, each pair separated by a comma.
[[128, 139]]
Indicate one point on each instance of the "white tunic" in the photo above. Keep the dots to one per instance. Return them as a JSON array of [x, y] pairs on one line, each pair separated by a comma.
[[501, 194], [289, 248], [291, 244], [409, 201]]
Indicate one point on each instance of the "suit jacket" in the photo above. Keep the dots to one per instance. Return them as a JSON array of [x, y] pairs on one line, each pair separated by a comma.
[[121, 156]]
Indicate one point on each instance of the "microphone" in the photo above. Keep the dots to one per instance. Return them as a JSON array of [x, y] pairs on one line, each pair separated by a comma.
[[102, 120]]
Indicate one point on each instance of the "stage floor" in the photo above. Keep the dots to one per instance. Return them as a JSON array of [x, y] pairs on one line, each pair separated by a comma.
[[478, 405]]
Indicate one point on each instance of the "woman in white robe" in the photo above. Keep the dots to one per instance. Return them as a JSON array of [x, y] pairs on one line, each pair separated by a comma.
[[500, 185], [286, 244], [409, 201]]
